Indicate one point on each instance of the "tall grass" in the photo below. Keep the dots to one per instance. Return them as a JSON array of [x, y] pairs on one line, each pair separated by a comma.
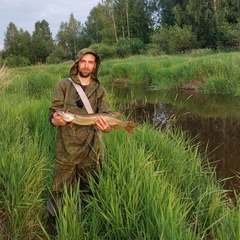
[[4, 72], [154, 184], [218, 73], [25, 165]]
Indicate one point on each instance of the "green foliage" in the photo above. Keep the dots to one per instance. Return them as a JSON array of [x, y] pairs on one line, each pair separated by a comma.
[[58, 55], [25, 165], [122, 70], [213, 72], [173, 39], [39, 85], [137, 46], [17, 61], [38, 81], [123, 48], [104, 51], [230, 35], [127, 47], [129, 28], [167, 180], [68, 36], [42, 42]]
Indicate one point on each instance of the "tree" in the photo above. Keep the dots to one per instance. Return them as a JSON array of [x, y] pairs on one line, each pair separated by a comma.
[[162, 12], [24, 43], [94, 26], [140, 21], [109, 20], [17, 46], [10, 41], [69, 34], [42, 42], [205, 17], [133, 19]]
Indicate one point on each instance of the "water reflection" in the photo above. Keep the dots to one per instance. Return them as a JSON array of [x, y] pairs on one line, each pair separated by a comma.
[[213, 121]]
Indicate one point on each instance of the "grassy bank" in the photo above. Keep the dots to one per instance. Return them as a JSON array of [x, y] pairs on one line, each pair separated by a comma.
[[210, 72], [154, 185]]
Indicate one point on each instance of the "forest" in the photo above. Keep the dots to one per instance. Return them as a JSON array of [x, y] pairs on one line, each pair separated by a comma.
[[122, 28]]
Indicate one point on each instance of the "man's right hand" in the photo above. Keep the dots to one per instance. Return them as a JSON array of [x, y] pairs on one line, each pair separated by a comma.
[[57, 120]]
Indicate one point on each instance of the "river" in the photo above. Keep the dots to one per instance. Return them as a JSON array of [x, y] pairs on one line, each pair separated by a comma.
[[212, 121]]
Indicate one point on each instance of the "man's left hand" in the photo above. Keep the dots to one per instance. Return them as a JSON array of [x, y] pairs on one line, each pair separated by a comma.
[[102, 124]]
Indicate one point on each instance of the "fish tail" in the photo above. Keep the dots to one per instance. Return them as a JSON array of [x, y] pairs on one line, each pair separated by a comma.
[[129, 127]]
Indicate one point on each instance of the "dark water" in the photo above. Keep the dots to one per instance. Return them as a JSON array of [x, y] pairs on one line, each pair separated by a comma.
[[213, 121]]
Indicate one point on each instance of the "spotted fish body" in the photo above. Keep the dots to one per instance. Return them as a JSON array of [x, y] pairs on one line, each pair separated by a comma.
[[88, 119]]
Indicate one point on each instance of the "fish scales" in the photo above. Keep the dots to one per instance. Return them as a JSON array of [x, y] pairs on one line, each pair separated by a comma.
[[88, 119]]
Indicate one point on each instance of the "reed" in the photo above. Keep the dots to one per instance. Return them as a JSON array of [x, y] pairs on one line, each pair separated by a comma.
[[4, 82], [154, 184], [25, 168], [162, 192]]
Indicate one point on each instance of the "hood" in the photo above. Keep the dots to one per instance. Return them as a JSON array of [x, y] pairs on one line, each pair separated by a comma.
[[84, 51]]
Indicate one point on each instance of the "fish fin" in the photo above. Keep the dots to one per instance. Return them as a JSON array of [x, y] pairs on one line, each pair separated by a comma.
[[129, 127], [116, 114], [115, 127], [72, 127]]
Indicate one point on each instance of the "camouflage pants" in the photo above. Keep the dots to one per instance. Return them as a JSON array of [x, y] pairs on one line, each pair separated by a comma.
[[69, 175]]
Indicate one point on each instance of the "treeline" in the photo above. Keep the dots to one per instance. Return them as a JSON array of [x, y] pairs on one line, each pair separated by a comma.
[[120, 28]]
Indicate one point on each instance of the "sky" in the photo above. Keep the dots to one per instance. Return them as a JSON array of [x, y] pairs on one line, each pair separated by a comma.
[[25, 13]]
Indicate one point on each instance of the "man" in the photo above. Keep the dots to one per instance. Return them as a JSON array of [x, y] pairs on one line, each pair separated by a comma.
[[78, 152]]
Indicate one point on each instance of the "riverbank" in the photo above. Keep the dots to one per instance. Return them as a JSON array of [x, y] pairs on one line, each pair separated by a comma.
[[153, 186], [201, 70]]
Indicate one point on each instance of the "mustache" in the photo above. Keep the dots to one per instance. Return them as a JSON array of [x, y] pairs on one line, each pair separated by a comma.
[[84, 75]]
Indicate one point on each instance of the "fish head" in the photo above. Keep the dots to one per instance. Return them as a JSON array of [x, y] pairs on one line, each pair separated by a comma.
[[66, 116]]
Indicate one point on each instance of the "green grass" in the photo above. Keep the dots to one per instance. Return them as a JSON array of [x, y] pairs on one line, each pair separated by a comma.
[[217, 72], [154, 184]]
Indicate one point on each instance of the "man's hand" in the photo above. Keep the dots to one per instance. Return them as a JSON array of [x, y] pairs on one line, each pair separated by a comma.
[[57, 120], [102, 124]]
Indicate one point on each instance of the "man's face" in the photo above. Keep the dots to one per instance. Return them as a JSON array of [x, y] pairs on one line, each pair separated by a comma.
[[86, 65]]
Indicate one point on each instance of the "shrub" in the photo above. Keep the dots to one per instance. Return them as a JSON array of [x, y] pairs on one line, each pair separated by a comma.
[[123, 48], [58, 55], [17, 61], [230, 35], [136, 45], [105, 51], [173, 39]]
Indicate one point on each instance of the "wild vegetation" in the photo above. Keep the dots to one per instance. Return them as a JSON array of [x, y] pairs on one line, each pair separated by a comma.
[[207, 71], [153, 185], [129, 27]]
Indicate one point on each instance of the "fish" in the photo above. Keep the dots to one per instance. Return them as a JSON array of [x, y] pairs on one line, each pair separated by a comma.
[[88, 119]]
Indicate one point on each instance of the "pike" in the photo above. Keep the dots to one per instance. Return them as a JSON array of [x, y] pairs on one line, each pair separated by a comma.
[[88, 119]]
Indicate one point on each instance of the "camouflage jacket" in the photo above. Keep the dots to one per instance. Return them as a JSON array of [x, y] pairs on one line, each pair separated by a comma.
[[74, 147]]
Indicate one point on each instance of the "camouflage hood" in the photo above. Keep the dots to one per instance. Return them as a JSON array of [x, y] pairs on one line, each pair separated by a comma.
[[74, 70]]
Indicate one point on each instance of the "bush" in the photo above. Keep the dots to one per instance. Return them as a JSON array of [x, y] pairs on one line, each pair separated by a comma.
[[230, 35], [58, 55], [123, 48], [136, 45], [173, 39], [126, 47], [105, 51], [17, 61]]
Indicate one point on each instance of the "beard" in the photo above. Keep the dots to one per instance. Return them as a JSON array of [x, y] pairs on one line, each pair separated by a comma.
[[84, 74]]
